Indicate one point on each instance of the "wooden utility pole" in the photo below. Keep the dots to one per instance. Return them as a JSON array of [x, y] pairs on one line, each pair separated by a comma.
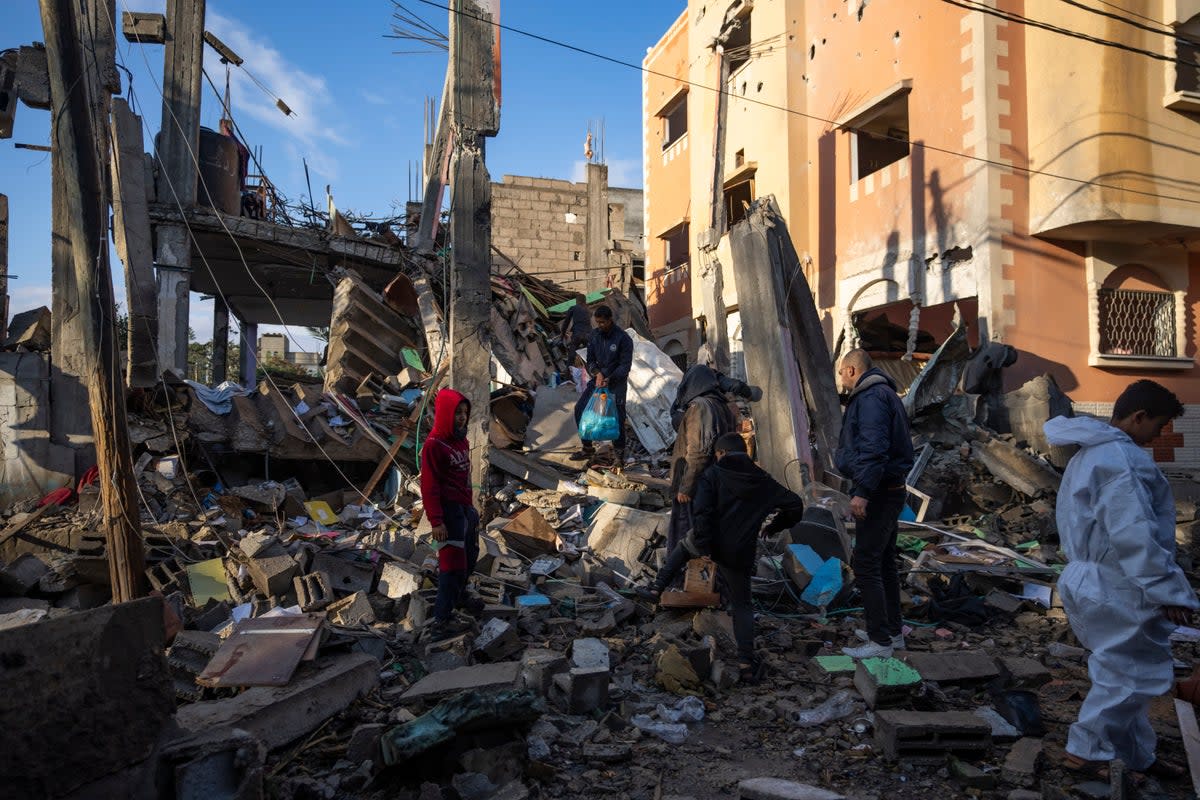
[[178, 153], [3, 267], [475, 98], [81, 141]]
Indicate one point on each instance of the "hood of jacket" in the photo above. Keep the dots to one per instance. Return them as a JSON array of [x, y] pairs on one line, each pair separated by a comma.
[[1083, 431], [873, 377], [444, 406], [741, 476], [697, 382]]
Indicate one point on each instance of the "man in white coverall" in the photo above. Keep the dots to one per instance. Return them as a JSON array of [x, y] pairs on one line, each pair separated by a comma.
[[1122, 590]]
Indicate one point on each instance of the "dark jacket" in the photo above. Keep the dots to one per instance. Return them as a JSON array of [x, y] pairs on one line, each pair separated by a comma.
[[875, 449], [578, 322], [700, 380], [733, 497], [706, 418], [611, 355]]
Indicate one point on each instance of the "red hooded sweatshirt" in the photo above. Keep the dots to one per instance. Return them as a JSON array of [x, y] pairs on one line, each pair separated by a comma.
[[445, 459]]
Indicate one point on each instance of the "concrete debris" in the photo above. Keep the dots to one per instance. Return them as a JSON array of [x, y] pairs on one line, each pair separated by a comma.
[[293, 652]]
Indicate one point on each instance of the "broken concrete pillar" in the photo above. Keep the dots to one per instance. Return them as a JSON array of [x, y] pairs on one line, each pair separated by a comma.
[[280, 714], [586, 688], [503, 675], [539, 666]]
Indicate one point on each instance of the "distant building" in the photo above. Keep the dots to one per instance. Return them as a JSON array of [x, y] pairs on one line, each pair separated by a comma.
[[275, 346]]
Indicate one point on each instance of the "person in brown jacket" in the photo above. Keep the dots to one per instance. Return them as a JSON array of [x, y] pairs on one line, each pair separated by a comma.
[[700, 414]]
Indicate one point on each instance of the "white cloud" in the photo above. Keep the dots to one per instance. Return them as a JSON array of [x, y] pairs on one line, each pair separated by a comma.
[[27, 298], [309, 130], [624, 173], [373, 98]]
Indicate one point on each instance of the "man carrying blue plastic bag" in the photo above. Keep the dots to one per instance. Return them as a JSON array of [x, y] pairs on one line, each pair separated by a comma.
[[609, 358]]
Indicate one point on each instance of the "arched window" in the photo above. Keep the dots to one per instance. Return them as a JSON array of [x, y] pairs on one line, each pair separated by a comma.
[[1137, 314], [1137, 306]]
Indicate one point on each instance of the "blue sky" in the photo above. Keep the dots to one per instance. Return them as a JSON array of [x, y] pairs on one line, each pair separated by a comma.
[[358, 105]]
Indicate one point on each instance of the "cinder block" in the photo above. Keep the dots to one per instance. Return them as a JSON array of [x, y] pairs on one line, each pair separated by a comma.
[[1025, 673], [497, 641], [272, 575], [954, 667], [587, 689], [538, 668], [313, 592], [924, 737], [352, 611], [345, 576], [398, 580], [885, 682]]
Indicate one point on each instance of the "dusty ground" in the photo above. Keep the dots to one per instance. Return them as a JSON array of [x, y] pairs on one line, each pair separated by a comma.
[[747, 732]]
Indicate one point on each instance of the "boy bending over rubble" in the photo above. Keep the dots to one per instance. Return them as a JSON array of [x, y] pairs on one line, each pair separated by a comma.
[[733, 498], [446, 496], [1122, 590]]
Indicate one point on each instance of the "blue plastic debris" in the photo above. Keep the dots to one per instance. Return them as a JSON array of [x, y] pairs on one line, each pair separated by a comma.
[[825, 575]]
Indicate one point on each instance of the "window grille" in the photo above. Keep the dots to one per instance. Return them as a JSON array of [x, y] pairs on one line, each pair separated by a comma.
[[1135, 323]]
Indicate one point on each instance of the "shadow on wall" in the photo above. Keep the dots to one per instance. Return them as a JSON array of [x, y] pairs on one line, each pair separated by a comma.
[[1030, 365], [32, 464]]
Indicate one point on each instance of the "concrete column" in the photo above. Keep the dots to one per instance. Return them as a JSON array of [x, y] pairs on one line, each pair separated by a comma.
[[174, 258], [597, 224], [220, 341], [249, 350]]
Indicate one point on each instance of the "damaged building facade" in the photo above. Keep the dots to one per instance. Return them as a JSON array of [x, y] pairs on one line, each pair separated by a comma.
[[986, 175], [581, 236]]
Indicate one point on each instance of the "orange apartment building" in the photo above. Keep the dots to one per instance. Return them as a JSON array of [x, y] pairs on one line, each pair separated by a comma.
[[929, 158]]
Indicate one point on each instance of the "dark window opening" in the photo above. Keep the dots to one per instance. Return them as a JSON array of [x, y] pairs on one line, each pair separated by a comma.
[[1187, 58], [883, 140], [737, 198], [681, 361], [737, 44], [675, 246], [674, 122]]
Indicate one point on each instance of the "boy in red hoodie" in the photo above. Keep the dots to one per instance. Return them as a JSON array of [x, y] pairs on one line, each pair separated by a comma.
[[446, 495]]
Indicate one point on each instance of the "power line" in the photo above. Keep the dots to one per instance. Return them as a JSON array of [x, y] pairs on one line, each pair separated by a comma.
[[1011, 16], [246, 266], [1128, 11], [815, 118]]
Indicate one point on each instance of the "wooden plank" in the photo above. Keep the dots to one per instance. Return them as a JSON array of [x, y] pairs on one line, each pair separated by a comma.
[[1186, 713], [3, 267], [530, 470], [135, 248], [17, 527], [81, 140]]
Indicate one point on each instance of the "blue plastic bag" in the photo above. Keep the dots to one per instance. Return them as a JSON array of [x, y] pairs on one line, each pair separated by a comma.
[[599, 420]]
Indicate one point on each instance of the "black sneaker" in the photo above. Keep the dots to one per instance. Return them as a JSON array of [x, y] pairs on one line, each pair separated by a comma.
[[583, 454], [647, 593]]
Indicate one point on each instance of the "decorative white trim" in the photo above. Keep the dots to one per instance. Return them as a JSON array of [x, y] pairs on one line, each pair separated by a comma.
[[1139, 362]]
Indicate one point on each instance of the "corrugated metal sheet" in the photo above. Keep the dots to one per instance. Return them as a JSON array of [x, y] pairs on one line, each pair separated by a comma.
[[902, 372]]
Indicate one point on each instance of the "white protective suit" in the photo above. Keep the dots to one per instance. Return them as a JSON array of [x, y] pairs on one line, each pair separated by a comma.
[[1116, 522]]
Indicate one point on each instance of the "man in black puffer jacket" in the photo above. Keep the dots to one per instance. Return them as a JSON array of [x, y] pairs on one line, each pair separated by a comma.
[[875, 452], [733, 498]]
